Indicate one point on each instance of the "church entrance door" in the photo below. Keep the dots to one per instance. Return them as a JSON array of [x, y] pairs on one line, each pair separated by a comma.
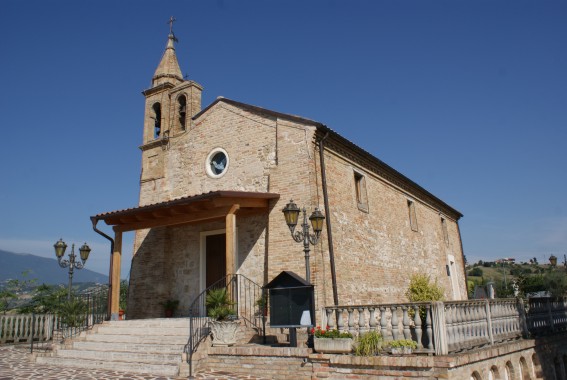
[[215, 248]]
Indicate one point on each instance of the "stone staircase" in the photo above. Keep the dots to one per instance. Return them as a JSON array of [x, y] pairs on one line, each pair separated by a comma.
[[152, 346]]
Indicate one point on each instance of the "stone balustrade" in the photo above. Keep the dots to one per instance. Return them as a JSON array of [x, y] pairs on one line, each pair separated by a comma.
[[547, 315], [392, 321], [439, 327], [20, 328]]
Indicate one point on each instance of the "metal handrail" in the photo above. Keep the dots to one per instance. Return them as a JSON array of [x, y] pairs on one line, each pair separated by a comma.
[[244, 295]]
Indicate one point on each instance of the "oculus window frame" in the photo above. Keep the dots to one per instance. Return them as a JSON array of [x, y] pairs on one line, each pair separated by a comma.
[[217, 163]]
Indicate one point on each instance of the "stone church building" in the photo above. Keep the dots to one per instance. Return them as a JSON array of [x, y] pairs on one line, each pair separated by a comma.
[[213, 185]]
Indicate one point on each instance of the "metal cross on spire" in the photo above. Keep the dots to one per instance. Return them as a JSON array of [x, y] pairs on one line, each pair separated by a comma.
[[170, 22]]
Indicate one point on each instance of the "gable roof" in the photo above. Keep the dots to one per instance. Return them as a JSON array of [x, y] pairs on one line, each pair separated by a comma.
[[350, 150]]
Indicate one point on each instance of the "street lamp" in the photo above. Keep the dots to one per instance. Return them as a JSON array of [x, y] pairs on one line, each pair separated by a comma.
[[291, 214], [84, 251]]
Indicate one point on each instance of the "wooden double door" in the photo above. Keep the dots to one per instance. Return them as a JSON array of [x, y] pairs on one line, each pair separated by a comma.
[[215, 253]]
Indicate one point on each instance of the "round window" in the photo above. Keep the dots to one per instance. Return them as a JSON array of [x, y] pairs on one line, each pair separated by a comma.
[[217, 163]]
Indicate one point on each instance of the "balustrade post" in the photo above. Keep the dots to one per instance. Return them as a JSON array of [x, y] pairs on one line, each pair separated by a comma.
[[372, 319], [330, 322], [340, 323], [417, 323], [384, 324], [361, 323], [405, 323], [351, 320], [489, 322], [428, 328], [395, 326]]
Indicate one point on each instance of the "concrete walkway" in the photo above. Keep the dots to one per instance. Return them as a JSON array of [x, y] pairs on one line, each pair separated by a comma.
[[16, 364]]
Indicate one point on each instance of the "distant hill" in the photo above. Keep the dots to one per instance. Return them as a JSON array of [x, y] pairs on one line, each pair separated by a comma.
[[43, 269]]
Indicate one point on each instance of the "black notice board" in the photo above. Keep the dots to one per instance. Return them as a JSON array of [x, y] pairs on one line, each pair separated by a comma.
[[288, 304]]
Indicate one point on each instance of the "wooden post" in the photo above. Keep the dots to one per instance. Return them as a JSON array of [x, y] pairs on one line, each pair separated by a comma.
[[116, 261], [231, 239]]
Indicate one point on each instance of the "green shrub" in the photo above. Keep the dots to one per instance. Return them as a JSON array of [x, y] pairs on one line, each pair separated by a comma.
[[368, 344], [402, 343], [219, 305]]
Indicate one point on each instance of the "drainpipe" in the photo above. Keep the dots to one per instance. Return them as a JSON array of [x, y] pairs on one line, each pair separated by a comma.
[[94, 221], [327, 212]]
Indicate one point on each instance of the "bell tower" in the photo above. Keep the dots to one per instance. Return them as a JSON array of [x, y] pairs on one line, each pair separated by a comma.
[[171, 102]]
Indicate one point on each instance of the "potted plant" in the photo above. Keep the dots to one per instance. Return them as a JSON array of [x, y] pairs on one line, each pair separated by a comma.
[[223, 325], [402, 346], [169, 307], [331, 341]]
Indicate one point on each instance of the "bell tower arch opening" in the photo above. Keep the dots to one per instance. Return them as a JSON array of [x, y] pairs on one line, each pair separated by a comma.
[[157, 120]]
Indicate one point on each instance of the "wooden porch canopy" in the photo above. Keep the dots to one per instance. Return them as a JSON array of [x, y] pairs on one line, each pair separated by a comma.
[[216, 205], [197, 208]]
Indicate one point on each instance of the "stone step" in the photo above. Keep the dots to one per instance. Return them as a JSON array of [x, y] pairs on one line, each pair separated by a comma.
[[134, 357], [129, 347], [137, 339], [169, 370], [155, 322], [147, 331]]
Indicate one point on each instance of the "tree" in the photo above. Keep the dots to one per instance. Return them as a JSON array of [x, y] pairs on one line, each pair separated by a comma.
[[556, 283], [11, 290], [6, 295], [476, 272], [46, 299]]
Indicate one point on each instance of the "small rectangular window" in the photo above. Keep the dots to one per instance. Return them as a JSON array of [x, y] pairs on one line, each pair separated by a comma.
[[412, 215], [445, 231], [360, 189]]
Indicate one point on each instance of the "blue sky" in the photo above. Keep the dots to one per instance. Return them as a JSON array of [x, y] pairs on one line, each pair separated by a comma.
[[466, 98]]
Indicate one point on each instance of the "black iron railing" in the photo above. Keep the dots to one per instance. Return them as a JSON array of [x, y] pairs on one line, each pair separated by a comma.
[[245, 295]]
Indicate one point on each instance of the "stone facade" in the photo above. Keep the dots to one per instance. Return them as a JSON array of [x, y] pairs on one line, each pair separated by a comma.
[[384, 226]]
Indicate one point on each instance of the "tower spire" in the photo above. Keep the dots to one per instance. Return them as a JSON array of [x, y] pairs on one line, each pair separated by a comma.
[[168, 69]]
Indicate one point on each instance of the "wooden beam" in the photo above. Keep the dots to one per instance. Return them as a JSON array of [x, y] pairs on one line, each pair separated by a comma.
[[179, 219], [231, 239], [115, 281], [242, 202]]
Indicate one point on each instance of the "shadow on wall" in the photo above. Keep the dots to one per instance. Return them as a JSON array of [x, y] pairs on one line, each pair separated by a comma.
[[147, 274], [549, 360]]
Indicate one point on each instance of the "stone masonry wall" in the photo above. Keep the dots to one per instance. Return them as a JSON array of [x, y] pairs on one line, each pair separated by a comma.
[[376, 250], [266, 155]]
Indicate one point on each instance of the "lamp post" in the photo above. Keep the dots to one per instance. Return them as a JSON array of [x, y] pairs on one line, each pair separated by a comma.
[[291, 214], [84, 251]]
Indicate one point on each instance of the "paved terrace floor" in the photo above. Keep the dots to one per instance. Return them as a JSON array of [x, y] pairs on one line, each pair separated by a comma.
[[16, 364]]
